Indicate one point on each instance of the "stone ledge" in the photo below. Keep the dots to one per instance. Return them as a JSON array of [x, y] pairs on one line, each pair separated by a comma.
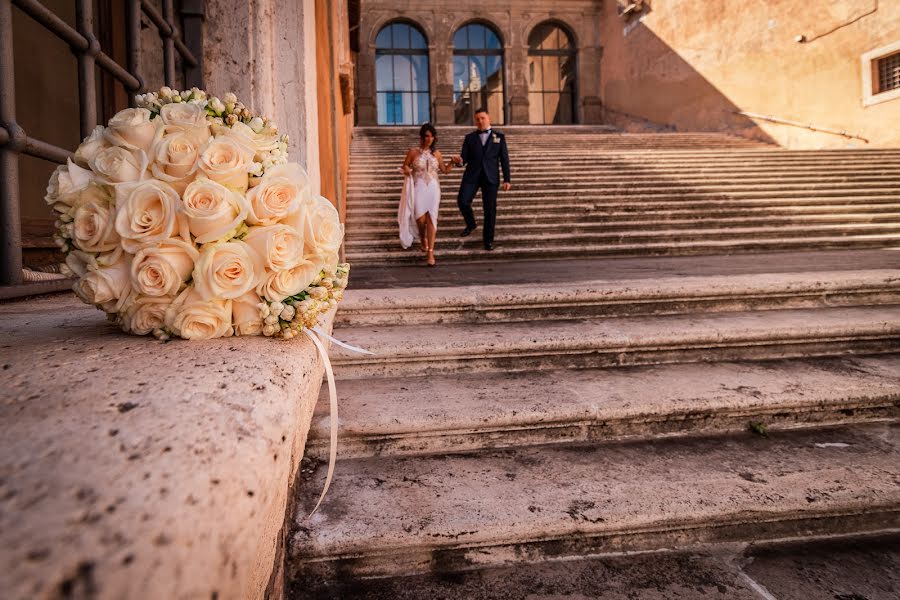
[[131, 468]]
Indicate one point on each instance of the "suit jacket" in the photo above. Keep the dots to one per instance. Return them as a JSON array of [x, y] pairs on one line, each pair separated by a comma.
[[485, 159]]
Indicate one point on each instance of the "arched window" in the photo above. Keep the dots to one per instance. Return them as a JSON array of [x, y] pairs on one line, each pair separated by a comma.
[[401, 75], [551, 76], [477, 73]]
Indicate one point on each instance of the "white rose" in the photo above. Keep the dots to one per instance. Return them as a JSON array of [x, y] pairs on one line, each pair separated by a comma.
[[160, 269], [148, 212], [279, 246], [66, 184], [104, 285], [119, 165], [134, 129], [213, 211], [228, 161], [193, 318], [143, 314], [259, 142], [176, 156], [278, 285], [278, 194], [184, 116], [93, 220], [323, 231], [246, 315], [91, 146], [227, 270]]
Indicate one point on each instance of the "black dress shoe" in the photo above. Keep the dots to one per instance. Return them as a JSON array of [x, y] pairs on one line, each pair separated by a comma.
[[466, 231], [489, 246]]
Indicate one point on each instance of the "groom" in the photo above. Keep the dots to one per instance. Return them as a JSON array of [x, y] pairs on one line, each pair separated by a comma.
[[483, 153]]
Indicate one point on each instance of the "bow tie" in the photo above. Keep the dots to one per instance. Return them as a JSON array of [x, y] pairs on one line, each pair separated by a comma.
[[485, 132]]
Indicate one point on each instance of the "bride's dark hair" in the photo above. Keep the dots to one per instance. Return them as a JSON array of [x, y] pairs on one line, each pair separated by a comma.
[[428, 128]]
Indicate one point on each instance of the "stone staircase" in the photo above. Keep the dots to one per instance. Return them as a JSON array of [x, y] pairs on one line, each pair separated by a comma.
[[584, 191], [521, 412]]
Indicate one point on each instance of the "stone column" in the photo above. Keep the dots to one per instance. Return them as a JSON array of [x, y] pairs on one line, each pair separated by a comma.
[[441, 63], [265, 52], [366, 109], [516, 56]]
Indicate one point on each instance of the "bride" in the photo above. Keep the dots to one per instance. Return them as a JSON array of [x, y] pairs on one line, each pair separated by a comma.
[[421, 197]]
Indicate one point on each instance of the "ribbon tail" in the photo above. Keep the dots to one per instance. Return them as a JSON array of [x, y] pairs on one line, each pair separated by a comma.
[[338, 342], [332, 393]]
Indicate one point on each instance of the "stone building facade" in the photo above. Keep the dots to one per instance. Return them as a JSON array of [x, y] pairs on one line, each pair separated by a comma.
[[527, 61]]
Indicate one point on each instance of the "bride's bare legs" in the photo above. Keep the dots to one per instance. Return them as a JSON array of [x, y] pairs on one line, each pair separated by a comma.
[[423, 231], [430, 235]]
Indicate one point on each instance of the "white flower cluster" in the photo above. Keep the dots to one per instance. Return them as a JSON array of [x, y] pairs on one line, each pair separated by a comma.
[[286, 318], [183, 216], [271, 149]]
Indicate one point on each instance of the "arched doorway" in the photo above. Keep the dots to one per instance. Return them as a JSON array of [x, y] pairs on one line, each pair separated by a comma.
[[551, 76], [477, 73], [401, 75]]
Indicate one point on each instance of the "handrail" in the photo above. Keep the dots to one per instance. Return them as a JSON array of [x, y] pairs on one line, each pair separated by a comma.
[[839, 132]]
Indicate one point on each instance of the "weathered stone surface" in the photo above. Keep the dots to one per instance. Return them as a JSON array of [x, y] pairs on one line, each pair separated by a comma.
[[666, 294], [402, 350], [452, 413], [132, 468], [530, 503], [839, 569]]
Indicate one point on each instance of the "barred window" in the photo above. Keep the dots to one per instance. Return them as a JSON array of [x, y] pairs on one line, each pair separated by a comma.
[[66, 66], [889, 73]]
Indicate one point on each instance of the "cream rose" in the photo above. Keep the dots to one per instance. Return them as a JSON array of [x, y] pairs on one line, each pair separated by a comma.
[[66, 184], [279, 246], [91, 146], [105, 285], [148, 212], [278, 285], [119, 165], [323, 231], [259, 142], [184, 116], [133, 128], [245, 314], [278, 194], [176, 156], [227, 270], [141, 315], [228, 161], [213, 211], [93, 220], [193, 318], [160, 269]]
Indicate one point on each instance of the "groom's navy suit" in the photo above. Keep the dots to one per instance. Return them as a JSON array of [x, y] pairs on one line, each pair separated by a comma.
[[483, 163]]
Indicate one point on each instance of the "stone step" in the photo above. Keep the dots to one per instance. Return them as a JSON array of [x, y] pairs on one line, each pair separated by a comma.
[[842, 567], [578, 208], [439, 414], [472, 251], [405, 350], [660, 295], [546, 240], [547, 176], [668, 191], [587, 212], [450, 512], [630, 221]]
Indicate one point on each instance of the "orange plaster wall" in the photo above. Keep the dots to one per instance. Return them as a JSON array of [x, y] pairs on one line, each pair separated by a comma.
[[689, 64], [332, 49]]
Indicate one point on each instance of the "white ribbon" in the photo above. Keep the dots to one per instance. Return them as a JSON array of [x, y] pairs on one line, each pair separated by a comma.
[[333, 400]]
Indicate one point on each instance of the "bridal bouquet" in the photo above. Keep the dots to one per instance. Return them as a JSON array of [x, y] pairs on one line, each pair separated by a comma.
[[183, 217]]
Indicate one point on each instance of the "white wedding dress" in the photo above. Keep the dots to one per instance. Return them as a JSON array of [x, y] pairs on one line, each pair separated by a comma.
[[421, 194]]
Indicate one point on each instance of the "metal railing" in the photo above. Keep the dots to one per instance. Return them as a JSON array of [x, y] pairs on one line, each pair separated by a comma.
[[84, 45], [808, 126]]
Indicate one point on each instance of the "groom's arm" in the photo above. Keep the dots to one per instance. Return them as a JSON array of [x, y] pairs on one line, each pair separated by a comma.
[[504, 159], [464, 154]]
